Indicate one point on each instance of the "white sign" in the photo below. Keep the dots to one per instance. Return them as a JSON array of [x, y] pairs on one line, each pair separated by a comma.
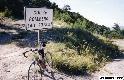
[[38, 18]]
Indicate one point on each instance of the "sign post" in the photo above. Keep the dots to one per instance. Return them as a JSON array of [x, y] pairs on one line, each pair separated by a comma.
[[38, 19]]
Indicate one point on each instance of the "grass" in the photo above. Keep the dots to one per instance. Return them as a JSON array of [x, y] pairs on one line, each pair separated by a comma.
[[60, 24], [2, 14], [77, 51], [67, 60]]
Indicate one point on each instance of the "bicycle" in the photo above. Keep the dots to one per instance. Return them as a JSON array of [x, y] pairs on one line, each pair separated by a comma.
[[39, 64]]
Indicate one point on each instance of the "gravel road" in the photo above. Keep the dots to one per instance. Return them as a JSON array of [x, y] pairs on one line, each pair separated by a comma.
[[13, 66], [114, 68]]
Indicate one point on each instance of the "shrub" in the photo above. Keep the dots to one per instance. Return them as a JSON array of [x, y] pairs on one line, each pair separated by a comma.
[[77, 51]]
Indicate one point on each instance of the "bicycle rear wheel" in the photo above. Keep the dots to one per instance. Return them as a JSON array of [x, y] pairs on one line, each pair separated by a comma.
[[35, 72]]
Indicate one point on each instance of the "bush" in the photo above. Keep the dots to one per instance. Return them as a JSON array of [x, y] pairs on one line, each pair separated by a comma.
[[67, 60], [73, 64], [78, 51], [7, 13]]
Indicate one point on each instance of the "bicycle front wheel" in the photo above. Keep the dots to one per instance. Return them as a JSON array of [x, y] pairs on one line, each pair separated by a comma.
[[49, 60], [35, 72]]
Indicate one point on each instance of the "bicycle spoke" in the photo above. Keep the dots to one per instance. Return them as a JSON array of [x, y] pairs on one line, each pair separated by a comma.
[[49, 59], [34, 72]]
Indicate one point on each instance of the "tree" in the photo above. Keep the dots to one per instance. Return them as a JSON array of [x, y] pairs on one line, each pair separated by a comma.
[[2, 5], [16, 7], [54, 6], [117, 28], [13, 7], [41, 3], [66, 8], [122, 32], [117, 31]]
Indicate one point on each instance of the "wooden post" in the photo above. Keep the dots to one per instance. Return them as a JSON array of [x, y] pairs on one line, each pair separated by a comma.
[[25, 17], [38, 38]]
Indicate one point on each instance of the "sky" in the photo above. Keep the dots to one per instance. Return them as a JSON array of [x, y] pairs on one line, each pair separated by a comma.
[[102, 12]]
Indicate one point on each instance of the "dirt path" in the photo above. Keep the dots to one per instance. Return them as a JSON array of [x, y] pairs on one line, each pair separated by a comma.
[[115, 68], [13, 66]]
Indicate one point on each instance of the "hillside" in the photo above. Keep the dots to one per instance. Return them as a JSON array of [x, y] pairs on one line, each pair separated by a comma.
[[71, 18], [74, 48]]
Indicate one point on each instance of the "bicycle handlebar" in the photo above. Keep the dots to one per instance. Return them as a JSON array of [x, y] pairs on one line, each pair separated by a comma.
[[29, 51], [40, 51]]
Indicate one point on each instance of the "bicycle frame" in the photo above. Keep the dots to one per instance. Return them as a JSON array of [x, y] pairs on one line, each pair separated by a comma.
[[36, 61]]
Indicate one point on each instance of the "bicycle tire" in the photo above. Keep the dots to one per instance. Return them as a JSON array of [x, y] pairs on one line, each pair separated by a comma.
[[35, 71]]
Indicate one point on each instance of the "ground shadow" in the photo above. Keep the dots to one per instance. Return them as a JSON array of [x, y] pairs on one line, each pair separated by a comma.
[[74, 38], [79, 39], [120, 58], [22, 38]]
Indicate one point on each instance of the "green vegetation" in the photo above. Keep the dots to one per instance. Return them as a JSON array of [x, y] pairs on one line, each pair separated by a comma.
[[14, 9], [2, 14], [117, 32], [79, 46], [77, 51]]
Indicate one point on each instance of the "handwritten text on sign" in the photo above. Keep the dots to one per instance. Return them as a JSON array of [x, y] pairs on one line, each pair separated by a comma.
[[38, 18]]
